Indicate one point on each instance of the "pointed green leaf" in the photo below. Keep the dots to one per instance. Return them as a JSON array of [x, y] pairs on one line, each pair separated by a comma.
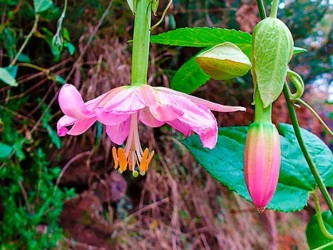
[[189, 77], [298, 50], [315, 238], [6, 77], [204, 37], [225, 163], [154, 6], [224, 62], [131, 4], [42, 5], [5, 150]]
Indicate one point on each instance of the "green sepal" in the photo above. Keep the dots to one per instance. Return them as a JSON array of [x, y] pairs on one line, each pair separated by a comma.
[[272, 49]]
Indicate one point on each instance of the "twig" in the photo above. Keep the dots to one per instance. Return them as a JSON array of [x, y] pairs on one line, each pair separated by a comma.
[[33, 30]]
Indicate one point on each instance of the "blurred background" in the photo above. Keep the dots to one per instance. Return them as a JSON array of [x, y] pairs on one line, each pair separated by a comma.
[[64, 194]]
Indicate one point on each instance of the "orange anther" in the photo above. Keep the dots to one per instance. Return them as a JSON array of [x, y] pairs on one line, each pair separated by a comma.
[[122, 159], [150, 158], [143, 164], [115, 157]]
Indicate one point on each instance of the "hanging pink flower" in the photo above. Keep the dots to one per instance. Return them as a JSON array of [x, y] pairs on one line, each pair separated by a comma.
[[121, 108]]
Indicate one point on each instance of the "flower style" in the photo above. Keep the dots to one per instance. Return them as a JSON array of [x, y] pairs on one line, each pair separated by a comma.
[[121, 108], [262, 162]]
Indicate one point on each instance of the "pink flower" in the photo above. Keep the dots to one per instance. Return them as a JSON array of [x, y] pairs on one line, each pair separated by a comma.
[[262, 163], [121, 108]]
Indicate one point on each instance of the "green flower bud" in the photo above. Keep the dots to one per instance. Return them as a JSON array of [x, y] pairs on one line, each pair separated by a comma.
[[224, 62]]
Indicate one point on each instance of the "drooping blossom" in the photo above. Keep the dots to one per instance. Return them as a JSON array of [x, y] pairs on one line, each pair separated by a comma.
[[262, 162], [121, 108]]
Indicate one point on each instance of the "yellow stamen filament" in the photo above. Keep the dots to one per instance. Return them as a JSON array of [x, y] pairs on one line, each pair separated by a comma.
[[122, 159], [115, 158]]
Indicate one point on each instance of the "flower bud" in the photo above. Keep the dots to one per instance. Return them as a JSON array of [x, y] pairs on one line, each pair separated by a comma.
[[262, 162]]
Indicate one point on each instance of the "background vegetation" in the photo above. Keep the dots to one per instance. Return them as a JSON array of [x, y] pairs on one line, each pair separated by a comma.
[[63, 193]]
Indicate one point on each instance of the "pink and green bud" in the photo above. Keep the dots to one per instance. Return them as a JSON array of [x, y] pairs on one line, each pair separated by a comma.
[[262, 162]]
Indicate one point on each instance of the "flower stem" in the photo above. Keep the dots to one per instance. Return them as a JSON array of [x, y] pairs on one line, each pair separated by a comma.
[[261, 114], [141, 39], [261, 9], [315, 114], [319, 217], [305, 152], [32, 31], [274, 9]]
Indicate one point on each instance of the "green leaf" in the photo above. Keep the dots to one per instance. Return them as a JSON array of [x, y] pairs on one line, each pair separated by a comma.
[[42, 5], [315, 238], [204, 37], [189, 77], [154, 6], [225, 163], [298, 50], [208, 37], [5, 150], [70, 47], [6, 77], [131, 4], [59, 79], [24, 58]]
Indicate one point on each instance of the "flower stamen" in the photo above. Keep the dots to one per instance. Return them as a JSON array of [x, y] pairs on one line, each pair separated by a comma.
[[122, 160], [115, 158], [132, 156]]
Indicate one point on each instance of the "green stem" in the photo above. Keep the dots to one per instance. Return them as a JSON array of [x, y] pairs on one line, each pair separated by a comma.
[[323, 229], [141, 40], [315, 114], [261, 114], [274, 9], [305, 152], [32, 31], [261, 9]]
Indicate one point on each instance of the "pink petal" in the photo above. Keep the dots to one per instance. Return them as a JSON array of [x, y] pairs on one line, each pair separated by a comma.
[[122, 99], [78, 127], [211, 105], [196, 118], [181, 127], [118, 133], [202, 121], [82, 126], [64, 122], [111, 117], [163, 109], [166, 113], [71, 103], [148, 119]]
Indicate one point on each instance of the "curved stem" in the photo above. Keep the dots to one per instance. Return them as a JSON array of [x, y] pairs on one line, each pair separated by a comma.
[[305, 152], [141, 40], [32, 31], [163, 15], [274, 9], [315, 114], [297, 80], [261, 7], [319, 217]]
